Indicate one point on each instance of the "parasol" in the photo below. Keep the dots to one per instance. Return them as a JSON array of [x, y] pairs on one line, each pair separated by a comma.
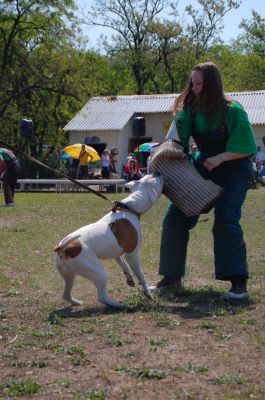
[[145, 147], [65, 156], [74, 151]]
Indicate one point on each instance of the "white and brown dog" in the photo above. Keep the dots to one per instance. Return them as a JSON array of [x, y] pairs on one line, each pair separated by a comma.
[[117, 235]]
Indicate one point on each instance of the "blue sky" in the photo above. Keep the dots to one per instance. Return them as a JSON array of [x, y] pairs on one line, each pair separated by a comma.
[[231, 21]]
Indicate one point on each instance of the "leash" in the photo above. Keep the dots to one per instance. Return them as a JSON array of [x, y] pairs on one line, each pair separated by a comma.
[[57, 172], [116, 205]]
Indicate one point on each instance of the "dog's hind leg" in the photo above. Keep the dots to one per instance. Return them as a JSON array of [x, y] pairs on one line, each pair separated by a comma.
[[94, 271], [126, 270], [69, 278], [134, 263]]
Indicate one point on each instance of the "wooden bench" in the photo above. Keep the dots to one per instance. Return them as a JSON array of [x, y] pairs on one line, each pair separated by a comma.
[[61, 185]]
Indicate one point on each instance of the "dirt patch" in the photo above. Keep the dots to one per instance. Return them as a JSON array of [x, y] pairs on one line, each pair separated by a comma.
[[196, 346]]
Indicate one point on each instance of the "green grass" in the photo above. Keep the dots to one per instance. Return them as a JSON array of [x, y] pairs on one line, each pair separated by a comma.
[[21, 389], [144, 372]]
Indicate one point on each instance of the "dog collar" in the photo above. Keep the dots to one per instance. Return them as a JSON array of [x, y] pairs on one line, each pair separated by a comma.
[[119, 206]]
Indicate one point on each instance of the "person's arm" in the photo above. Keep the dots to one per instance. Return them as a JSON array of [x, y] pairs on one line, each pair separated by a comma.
[[184, 122], [213, 162]]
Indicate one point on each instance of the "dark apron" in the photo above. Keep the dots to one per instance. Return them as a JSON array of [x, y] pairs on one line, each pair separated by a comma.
[[229, 245], [235, 178]]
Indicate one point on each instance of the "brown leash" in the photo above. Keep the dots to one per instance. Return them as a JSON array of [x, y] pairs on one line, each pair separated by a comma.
[[9, 146]]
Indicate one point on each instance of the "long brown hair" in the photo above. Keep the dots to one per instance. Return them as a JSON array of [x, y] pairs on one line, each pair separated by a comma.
[[212, 95]]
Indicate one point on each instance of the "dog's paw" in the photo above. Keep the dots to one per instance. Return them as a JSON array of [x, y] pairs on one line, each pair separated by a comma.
[[130, 281], [148, 294], [75, 302]]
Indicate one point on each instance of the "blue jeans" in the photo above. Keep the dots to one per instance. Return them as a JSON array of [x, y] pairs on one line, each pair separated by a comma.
[[229, 245]]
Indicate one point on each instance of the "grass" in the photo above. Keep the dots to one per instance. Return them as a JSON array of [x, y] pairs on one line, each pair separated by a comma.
[[21, 389], [185, 343]]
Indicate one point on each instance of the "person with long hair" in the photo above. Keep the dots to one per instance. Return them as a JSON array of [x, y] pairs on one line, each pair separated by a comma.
[[223, 134]]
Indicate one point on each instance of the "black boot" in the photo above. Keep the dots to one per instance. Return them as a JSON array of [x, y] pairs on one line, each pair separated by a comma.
[[238, 289]]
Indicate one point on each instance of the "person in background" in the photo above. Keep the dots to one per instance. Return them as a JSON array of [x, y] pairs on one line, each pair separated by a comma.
[[105, 164], [260, 156], [9, 172], [194, 151], [136, 173], [224, 136], [84, 159], [128, 170], [262, 174], [113, 159]]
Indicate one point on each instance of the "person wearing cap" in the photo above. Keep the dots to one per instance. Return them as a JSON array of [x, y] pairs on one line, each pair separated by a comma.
[[9, 172]]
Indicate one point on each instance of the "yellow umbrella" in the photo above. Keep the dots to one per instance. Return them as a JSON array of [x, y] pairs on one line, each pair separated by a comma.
[[74, 151]]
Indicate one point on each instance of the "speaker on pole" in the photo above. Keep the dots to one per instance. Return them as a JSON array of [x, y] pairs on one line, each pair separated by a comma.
[[138, 126], [26, 128]]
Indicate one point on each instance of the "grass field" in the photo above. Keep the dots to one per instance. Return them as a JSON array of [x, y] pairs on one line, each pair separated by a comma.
[[188, 344]]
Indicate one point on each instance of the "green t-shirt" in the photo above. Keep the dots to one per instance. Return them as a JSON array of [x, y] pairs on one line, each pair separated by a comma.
[[7, 155], [241, 139]]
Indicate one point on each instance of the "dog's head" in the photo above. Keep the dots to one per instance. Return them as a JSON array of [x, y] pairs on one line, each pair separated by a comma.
[[145, 192]]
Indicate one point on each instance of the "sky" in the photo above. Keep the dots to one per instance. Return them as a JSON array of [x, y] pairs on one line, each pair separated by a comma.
[[231, 20]]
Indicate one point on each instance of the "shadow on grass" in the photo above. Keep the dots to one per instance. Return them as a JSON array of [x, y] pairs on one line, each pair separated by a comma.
[[199, 303], [185, 302], [56, 317]]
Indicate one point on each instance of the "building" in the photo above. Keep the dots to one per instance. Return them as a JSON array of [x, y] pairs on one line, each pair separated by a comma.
[[126, 121]]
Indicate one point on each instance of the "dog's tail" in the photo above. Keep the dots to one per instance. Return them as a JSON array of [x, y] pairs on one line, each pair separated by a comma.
[[69, 247]]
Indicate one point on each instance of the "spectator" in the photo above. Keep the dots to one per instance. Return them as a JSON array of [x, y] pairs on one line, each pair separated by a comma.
[[105, 164], [136, 173], [113, 159], [262, 173], [128, 170], [9, 171], [260, 156], [83, 162], [194, 151]]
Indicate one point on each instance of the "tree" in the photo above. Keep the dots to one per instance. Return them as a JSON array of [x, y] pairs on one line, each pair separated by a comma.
[[31, 34], [45, 72], [253, 39], [206, 25], [131, 21], [251, 45]]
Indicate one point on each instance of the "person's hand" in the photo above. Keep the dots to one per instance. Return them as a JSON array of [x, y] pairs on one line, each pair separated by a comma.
[[213, 162]]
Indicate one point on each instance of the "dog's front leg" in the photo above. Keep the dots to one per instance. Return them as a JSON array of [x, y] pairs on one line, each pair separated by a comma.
[[133, 261], [126, 270]]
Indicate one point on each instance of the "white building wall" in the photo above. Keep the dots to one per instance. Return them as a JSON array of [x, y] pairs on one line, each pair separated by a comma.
[[155, 125], [109, 137], [124, 136], [259, 131]]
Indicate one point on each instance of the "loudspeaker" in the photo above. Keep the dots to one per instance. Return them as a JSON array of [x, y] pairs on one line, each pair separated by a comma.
[[263, 139], [138, 126], [26, 128]]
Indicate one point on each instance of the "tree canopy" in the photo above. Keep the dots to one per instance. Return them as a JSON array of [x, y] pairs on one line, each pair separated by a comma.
[[48, 71]]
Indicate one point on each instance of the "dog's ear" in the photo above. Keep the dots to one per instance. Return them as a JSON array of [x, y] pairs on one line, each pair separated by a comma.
[[151, 180], [130, 184]]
